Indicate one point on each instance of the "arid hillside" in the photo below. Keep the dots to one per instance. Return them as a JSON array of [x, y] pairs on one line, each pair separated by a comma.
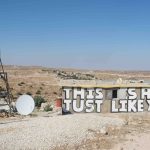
[[46, 82]]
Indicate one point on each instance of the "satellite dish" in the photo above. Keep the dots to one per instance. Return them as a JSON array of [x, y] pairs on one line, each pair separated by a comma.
[[25, 105]]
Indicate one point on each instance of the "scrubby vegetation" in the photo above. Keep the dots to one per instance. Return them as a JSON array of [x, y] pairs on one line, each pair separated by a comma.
[[39, 100], [48, 108], [29, 93], [21, 84], [72, 75], [19, 93], [38, 92]]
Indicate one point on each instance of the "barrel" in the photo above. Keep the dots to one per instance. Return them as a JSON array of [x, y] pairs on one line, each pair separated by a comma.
[[58, 102]]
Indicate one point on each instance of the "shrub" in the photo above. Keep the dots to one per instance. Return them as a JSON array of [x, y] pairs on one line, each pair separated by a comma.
[[55, 93], [41, 88], [21, 83], [38, 101], [19, 93], [48, 108], [29, 93], [38, 92]]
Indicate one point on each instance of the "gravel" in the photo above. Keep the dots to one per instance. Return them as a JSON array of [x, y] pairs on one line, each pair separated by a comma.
[[49, 132]]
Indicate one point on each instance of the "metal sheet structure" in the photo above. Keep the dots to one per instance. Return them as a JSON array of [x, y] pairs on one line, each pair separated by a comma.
[[5, 92]]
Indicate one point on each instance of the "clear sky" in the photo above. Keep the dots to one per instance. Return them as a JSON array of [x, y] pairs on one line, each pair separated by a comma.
[[89, 34]]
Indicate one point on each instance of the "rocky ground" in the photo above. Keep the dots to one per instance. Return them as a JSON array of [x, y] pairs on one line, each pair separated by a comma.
[[76, 132], [53, 131]]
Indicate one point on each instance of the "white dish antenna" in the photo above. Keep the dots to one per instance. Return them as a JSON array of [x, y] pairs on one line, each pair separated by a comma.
[[25, 105]]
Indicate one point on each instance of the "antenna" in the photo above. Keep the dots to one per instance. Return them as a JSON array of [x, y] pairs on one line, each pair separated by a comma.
[[5, 93]]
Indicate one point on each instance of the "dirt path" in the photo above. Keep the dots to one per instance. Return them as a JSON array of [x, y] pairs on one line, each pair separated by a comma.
[[78, 132], [136, 134], [50, 132], [138, 142]]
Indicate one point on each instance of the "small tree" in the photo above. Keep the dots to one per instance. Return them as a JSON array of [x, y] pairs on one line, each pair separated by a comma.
[[39, 100]]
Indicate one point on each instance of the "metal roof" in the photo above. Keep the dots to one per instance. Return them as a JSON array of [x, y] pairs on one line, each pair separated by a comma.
[[129, 85]]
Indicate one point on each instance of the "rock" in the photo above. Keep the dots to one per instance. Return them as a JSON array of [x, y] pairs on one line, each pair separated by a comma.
[[119, 81], [13, 106], [103, 131], [43, 105]]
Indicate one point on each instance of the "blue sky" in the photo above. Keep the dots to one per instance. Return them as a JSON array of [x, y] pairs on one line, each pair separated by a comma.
[[88, 34]]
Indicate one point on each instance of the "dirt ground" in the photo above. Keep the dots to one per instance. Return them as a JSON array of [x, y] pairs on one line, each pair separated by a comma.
[[134, 135], [76, 132]]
